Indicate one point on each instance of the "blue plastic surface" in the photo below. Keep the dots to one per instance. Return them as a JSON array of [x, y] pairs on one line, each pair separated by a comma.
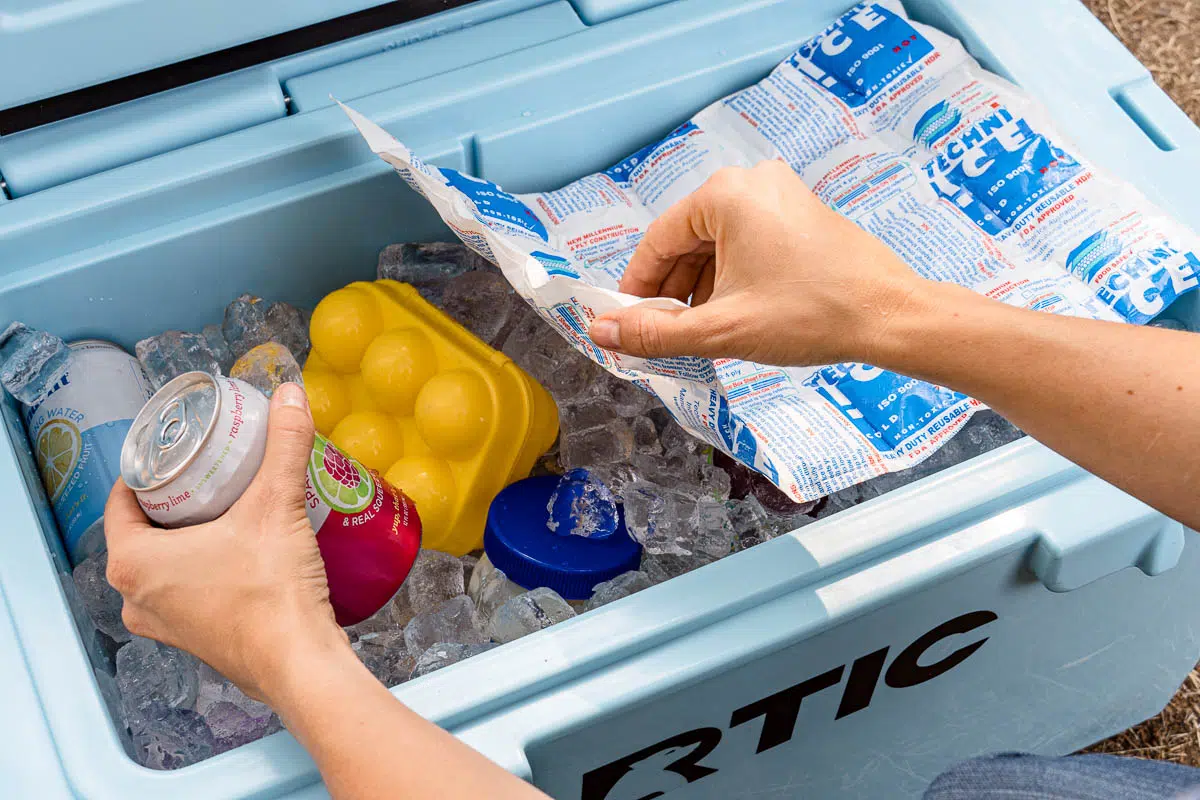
[[519, 542], [593, 12], [1093, 630], [77, 43], [422, 59], [62, 151]]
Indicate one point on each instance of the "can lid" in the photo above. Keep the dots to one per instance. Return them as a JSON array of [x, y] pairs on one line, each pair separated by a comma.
[[169, 431], [519, 541], [79, 344]]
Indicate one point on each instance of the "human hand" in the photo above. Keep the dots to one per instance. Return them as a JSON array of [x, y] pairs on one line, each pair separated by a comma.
[[246, 592], [774, 276]]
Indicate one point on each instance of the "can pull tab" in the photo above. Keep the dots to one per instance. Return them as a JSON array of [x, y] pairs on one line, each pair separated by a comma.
[[172, 433], [172, 424]]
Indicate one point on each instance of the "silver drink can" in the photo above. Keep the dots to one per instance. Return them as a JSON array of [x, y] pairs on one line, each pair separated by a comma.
[[77, 431], [197, 444], [195, 447]]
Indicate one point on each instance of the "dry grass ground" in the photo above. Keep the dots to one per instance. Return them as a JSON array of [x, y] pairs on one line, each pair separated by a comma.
[[1165, 36]]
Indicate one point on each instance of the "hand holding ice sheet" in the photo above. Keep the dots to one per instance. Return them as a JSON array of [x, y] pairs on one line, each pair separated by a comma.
[[796, 284], [893, 125]]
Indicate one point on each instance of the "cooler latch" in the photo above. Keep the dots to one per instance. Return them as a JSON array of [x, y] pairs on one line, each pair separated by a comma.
[[1089, 530]]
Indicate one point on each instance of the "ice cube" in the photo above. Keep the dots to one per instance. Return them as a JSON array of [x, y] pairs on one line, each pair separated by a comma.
[[492, 590], [31, 361], [399, 609], [645, 436], [94, 642], [232, 727], [527, 613], [611, 443], [469, 562], [174, 353], [170, 738], [288, 326], [615, 476], [435, 578], [661, 418], [382, 621], [584, 414], [750, 522], [658, 517], [680, 469], [854, 495], [150, 672], [741, 477], [103, 603], [455, 620], [984, 432], [623, 585], [675, 439], [575, 374], [112, 697], [386, 656], [243, 324], [266, 367], [483, 303], [713, 532], [250, 321], [216, 688], [429, 267], [108, 648], [662, 567], [583, 506], [625, 398], [443, 654], [541, 350], [715, 482], [219, 347]]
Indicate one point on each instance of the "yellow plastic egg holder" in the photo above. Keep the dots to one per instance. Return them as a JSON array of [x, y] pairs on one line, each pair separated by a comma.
[[409, 392]]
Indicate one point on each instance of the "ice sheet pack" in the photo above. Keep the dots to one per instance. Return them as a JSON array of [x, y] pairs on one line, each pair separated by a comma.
[[894, 125]]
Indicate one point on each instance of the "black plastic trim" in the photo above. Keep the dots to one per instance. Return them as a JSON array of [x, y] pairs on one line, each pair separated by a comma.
[[122, 90]]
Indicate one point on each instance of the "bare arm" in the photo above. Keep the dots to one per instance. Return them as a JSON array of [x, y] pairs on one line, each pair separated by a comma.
[[776, 277], [368, 745], [247, 594], [1121, 401]]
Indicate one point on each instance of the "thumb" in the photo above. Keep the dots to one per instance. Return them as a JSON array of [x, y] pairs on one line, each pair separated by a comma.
[[658, 333], [289, 446]]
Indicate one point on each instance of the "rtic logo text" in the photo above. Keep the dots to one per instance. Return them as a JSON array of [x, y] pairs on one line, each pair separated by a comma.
[[683, 754]]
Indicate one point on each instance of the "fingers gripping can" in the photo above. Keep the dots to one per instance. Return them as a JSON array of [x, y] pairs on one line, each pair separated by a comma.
[[196, 446]]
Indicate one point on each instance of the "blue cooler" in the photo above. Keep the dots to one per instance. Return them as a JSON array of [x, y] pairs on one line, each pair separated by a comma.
[[1014, 602]]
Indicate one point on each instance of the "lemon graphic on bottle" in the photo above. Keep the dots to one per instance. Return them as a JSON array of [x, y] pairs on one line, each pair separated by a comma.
[[58, 447], [344, 485]]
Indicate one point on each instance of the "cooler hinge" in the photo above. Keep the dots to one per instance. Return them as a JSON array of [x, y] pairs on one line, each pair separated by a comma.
[[40, 158]]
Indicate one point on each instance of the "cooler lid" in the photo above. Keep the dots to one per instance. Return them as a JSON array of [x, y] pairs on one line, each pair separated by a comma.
[[59, 46]]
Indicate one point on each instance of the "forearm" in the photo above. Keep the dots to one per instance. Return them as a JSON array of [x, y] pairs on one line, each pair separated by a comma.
[[1120, 401], [369, 745]]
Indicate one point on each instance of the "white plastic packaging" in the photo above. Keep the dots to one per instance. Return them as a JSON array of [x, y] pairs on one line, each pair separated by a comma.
[[895, 126]]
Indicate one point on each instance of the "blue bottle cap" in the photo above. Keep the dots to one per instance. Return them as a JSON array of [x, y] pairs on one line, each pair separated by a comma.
[[519, 541]]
